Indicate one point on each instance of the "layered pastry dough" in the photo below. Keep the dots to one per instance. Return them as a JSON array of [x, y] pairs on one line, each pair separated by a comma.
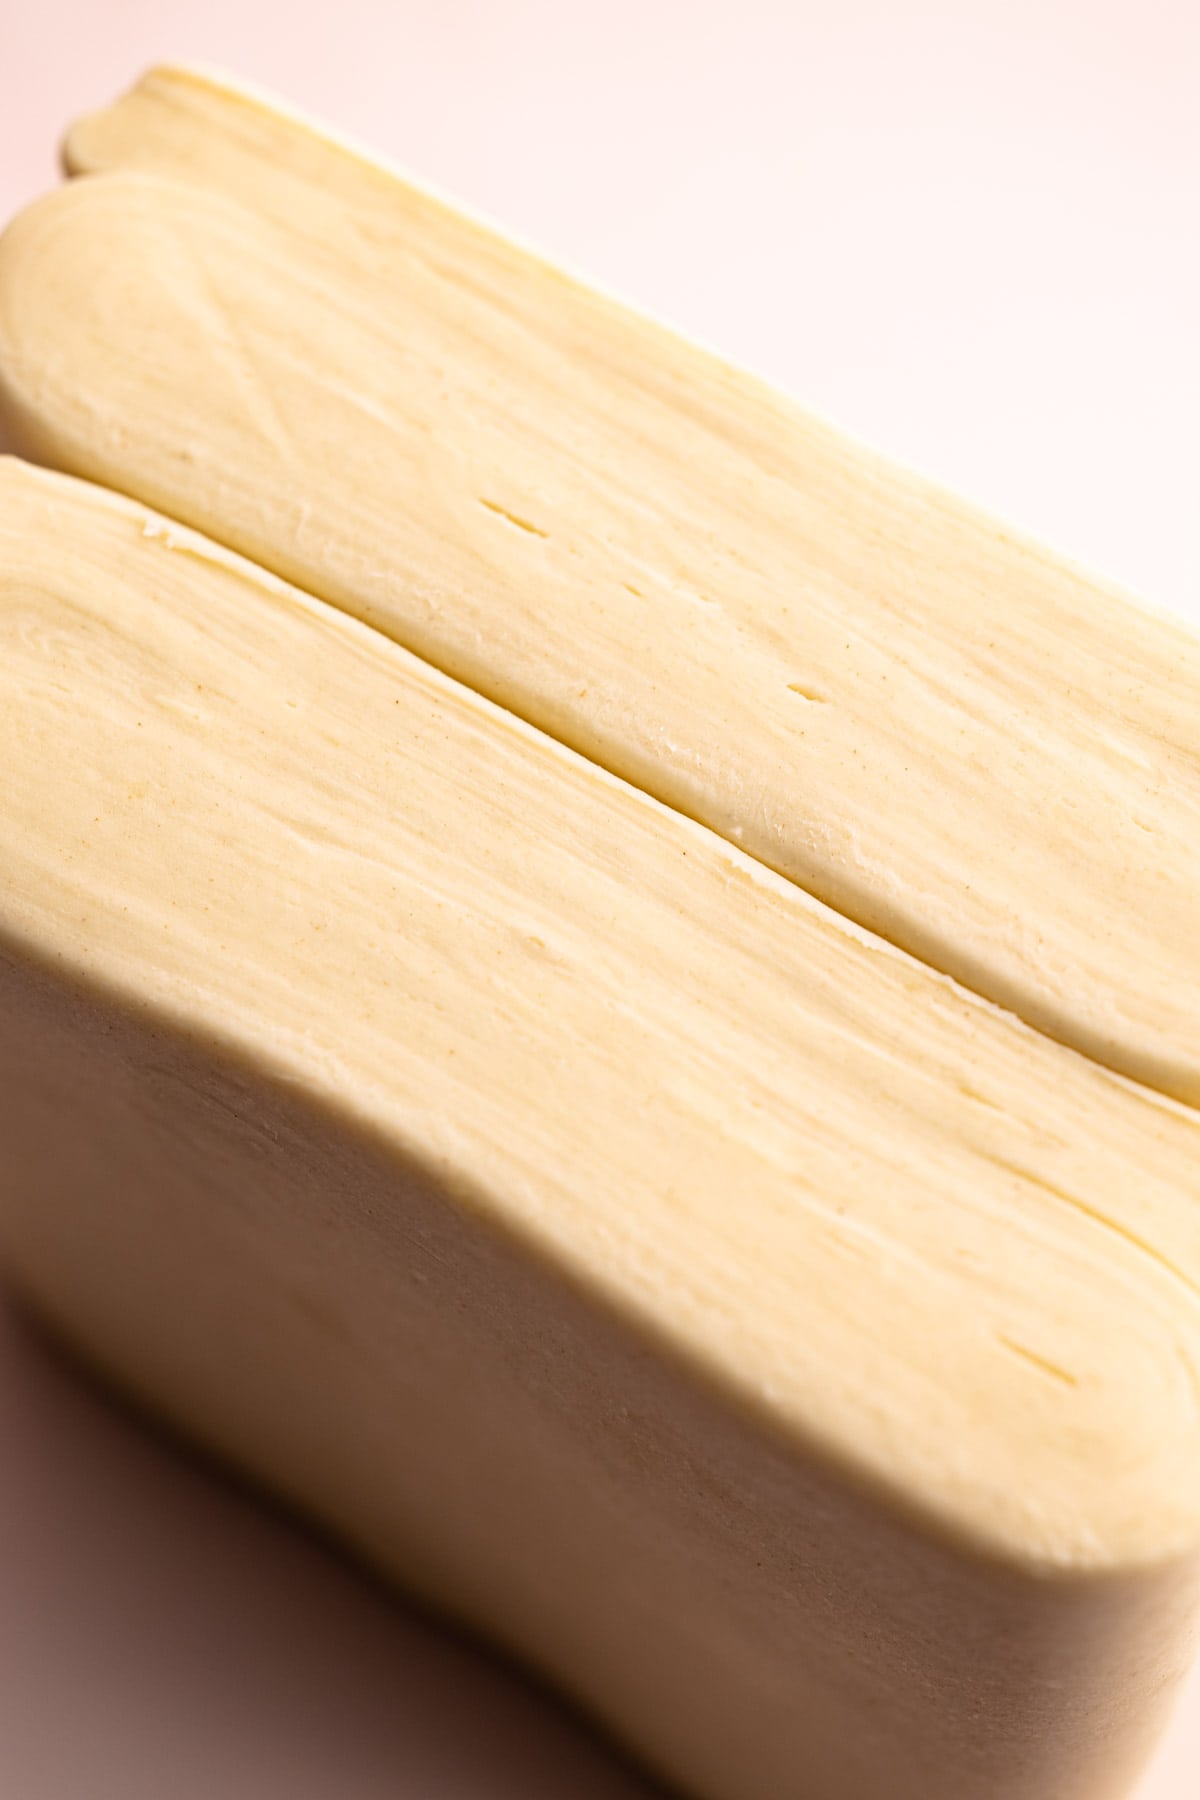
[[931, 725], [793, 1353]]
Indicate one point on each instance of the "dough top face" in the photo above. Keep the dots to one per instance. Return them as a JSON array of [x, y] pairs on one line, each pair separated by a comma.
[[938, 729]]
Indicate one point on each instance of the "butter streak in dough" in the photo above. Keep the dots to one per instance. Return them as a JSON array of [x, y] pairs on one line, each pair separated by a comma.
[[933, 726], [792, 1353]]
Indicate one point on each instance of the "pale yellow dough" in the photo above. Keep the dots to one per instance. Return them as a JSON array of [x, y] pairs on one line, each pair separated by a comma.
[[933, 726], [791, 1352]]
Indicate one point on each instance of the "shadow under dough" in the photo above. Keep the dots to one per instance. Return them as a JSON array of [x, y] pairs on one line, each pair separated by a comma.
[[166, 1633]]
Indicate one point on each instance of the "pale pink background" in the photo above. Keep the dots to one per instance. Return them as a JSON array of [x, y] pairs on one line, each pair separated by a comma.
[[971, 233]]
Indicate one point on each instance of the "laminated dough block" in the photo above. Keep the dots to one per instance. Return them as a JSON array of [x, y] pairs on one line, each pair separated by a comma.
[[789, 1352], [931, 725]]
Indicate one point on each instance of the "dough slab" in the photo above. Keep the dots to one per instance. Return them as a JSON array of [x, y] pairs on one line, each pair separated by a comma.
[[790, 1352]]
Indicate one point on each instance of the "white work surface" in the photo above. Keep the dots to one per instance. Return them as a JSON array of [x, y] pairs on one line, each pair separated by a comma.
[[969, 233]]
